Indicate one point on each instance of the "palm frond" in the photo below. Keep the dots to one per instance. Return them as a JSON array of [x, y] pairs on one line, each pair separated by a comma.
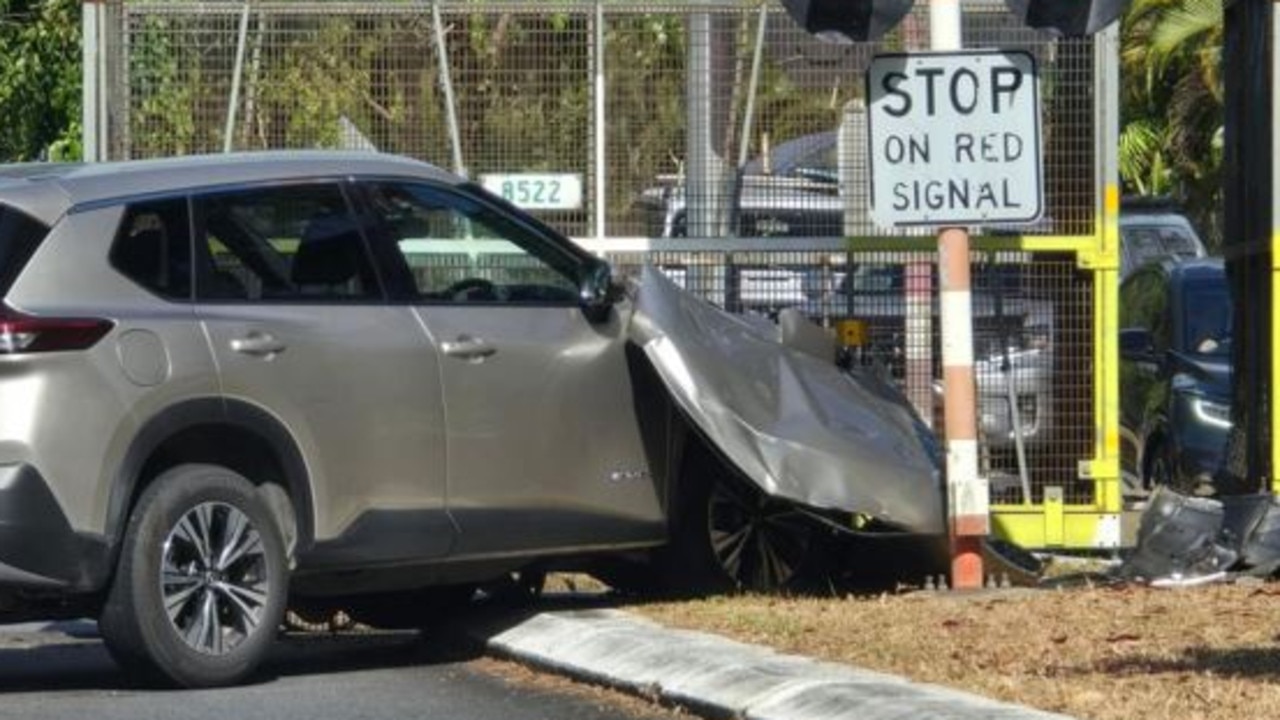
[[1184, 25], [1141, 155]]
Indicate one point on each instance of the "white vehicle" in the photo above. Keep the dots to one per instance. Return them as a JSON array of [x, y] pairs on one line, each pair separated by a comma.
[[1150, 230]]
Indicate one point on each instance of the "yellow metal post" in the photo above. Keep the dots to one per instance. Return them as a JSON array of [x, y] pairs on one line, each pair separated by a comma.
[[1275, 326], [1275, 255]]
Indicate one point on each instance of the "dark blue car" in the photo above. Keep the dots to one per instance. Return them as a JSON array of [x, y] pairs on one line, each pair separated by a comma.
[[1175, 374]]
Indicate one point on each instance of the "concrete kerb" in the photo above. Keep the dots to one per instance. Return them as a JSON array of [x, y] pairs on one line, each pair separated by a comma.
[[722, 678]]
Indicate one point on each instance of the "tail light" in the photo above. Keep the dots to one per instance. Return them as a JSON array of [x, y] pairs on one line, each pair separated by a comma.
[[28, 334]]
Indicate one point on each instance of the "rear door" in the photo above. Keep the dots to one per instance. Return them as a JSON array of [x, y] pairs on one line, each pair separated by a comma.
[[300, 328], [544, 451]]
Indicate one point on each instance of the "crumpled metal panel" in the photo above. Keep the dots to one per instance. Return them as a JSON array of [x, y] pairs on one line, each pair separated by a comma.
[[797, 425], [1177, 539], [1251, 525]]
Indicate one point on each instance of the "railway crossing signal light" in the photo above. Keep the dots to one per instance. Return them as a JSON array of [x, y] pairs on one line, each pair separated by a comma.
[[859, 20]]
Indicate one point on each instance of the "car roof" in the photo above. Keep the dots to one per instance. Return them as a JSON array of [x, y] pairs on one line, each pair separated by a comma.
[[46, 192]]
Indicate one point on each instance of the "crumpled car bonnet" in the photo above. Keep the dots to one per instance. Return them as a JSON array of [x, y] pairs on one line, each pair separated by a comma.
[[796, 425]]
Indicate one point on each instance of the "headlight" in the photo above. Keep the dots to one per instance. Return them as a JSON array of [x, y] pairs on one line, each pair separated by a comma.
[[1212, 413]]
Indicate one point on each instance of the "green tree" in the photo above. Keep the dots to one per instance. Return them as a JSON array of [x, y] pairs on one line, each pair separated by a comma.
[[1171, 103], [40, 79]]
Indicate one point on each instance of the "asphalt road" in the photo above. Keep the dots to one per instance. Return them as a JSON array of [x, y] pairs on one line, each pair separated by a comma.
[[371, 677]]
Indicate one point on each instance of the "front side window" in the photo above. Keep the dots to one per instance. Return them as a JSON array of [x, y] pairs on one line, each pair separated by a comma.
[[153, 247], [282, 244], [460, 250]]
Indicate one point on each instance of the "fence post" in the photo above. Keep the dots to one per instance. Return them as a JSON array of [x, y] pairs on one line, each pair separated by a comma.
[[601, 164], [233, 103], [446, 84], [91, 95]]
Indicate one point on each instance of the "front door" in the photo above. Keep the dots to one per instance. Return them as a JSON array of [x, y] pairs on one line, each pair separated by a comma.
[[544, 451]]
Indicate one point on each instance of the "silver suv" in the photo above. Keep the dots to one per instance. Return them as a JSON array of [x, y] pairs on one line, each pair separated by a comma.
[[235, 383]]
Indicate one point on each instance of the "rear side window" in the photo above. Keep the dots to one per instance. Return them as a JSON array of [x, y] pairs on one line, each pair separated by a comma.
[[19, 237], [282, 244], [153, 247]]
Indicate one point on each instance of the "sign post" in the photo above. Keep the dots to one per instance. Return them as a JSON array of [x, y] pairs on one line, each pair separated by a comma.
[[955, 141]]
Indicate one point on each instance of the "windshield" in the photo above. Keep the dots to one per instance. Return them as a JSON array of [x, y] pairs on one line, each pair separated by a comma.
[[1153, 242], [1207, 315]]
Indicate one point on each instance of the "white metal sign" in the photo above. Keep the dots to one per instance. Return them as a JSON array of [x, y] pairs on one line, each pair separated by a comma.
[[954, 138], [537, 191]]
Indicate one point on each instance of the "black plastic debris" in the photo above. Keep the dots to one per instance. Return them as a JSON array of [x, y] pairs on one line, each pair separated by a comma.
[[1185, 540], [1252, 523]]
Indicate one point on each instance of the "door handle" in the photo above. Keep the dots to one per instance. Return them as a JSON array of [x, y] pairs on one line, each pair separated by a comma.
[[258, 344], [468, 348]]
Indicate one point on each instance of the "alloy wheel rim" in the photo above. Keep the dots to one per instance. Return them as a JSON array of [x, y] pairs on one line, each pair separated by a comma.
[[213, 578], [759, 543]]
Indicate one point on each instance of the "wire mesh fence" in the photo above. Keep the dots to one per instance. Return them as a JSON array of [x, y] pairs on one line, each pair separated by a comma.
[[712, 120], [664, 120], [1033, 340]]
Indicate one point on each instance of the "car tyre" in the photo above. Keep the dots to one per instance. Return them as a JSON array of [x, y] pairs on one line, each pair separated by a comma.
[[199, 592], [758, 542], [730, 535]]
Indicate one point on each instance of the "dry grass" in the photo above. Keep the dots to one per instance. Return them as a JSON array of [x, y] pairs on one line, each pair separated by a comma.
[[1108, 653]]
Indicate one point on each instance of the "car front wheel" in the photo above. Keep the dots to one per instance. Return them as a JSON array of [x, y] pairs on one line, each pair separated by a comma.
[[200, 589], [730, 535], [757, 542]]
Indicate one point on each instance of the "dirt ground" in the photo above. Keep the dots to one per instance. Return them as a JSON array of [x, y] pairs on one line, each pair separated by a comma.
[[1087, 649]]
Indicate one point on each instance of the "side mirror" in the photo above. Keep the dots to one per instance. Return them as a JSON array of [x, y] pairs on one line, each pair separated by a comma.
[[596, 292], [1135, 344]]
